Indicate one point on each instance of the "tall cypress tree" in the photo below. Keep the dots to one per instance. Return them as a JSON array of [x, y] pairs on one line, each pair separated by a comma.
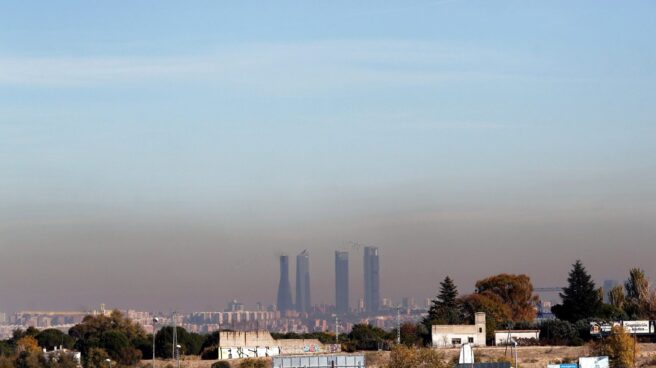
[[580, 298]]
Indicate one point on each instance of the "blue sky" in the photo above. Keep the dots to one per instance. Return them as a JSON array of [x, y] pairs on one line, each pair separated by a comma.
[[275, 127]]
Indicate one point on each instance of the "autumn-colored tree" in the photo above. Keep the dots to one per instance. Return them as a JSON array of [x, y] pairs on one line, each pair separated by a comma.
[[410, 334], [514, 291], [639, 296], [496, 311], [27, 344], [6, 362], [620, 347], [407, 357], [616, 297]]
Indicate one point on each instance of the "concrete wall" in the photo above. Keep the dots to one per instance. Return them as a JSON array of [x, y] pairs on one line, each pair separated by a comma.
[[248, 352], [501, 336], [305, 346], [444, 336], [257, 344], [246, 339]]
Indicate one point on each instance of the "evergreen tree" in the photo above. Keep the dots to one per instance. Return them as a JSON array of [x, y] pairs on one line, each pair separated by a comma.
[[445, 308], [580, 298]]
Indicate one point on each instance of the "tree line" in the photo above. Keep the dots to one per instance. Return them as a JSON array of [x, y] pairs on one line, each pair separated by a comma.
[[509, 302], [507, 299]]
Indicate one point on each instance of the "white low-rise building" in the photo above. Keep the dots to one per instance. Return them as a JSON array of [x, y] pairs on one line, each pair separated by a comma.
[[447, 336], [506, 337]]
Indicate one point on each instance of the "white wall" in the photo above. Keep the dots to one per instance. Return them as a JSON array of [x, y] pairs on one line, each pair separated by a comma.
[[501, 337]]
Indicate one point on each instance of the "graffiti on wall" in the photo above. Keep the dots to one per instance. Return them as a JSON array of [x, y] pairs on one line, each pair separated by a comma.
[[248, 352], [311, 348]]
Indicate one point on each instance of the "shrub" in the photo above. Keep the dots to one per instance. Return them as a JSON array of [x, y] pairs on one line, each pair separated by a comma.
[[619, 347], [556, 332], [210, 353], [253, 363], [405, 357], [221, 364]]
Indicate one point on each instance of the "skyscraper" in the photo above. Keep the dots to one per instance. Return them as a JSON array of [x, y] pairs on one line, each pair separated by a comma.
[[303, 304], [341, 282], [284, 288], [371, 279]]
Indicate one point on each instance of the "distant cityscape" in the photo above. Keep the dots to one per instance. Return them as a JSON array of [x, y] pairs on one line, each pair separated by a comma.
[[286, 315]]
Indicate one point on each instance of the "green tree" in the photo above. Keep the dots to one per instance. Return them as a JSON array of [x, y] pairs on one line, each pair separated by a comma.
[[557, 332], [6, 349], [30, 359], [96, 358], [580, 298], [445, 308], [191, 343], [51, 338], [119, 348], [115, 335], [366, 337], [209, 349], [62, 361]]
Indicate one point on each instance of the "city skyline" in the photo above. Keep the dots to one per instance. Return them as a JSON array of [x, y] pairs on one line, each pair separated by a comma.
[[162, 155]]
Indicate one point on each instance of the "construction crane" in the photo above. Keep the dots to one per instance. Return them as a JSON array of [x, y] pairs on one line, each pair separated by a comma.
[[548, 289]]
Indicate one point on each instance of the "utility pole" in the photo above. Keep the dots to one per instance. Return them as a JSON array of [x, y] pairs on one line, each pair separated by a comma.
[[175, 336], [336, 330], [155, 320], [398, 325]]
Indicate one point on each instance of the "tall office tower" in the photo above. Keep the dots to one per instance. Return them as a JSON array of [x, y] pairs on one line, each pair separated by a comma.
[[371, 279], [284, 288], [341, 282], [303, 304]]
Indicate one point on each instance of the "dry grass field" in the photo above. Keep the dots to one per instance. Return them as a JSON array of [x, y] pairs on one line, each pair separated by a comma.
[[529, 357]]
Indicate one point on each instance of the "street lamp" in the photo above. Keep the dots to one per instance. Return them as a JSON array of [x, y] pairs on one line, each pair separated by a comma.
[[515, 344], [155, 320], [178, 354], [109, 361]]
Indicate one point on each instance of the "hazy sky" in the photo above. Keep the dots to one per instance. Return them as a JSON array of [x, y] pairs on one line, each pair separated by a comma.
[[161, 154]]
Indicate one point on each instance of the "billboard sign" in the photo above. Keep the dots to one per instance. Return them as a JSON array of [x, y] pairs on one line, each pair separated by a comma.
[[594, 362], [637, 327], [602, 328], [567, 365]]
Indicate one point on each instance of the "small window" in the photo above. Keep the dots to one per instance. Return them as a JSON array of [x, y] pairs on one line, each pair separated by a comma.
[[470, 339], [456, 341], [480, 330]]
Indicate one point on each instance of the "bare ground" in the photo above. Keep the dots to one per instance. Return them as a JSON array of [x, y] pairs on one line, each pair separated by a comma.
[[528, 357]]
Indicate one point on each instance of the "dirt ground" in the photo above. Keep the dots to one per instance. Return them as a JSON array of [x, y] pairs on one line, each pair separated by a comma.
[[528, 357]]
